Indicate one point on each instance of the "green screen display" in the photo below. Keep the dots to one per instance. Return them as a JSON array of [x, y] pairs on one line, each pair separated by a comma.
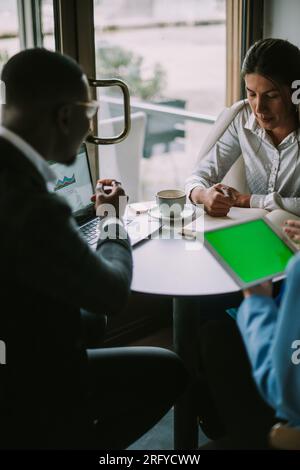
[[252, 250]]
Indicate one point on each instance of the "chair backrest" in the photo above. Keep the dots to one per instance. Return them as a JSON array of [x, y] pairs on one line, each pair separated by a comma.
[[236, 176], [285, 437], [122, 161]]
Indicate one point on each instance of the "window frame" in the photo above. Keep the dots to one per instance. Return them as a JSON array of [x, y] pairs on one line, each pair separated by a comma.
[[30, 23], [244, 19], [74, 36]]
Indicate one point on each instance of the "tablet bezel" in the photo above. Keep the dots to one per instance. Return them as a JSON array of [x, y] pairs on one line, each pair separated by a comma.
[[242, 284]]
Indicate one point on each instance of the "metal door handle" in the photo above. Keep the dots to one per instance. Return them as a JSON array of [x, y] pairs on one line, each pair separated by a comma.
[[126, 102]]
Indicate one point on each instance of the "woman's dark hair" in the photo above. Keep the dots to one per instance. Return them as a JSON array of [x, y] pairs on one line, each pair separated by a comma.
[[275, 59], [278, 61]]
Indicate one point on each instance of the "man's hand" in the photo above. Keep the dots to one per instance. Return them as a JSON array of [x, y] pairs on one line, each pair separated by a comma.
[[217, 200], [292, 229], [111, 201], [265, 289]]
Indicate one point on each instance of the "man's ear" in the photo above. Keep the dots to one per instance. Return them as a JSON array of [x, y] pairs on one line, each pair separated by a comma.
[[63, 119]]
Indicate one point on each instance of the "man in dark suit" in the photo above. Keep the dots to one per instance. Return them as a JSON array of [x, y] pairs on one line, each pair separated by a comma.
[[54, 393]]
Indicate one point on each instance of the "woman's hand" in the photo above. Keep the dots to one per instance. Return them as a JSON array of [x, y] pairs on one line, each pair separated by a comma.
[[292, 229], [217, 200], [241, 200]]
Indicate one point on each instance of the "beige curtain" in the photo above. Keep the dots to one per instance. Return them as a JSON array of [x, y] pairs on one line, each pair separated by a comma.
[[233, 50], [254, 14]]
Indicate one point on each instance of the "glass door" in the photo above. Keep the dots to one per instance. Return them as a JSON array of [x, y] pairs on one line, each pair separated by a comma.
[[172, 55], [18, 22], [9, 30]]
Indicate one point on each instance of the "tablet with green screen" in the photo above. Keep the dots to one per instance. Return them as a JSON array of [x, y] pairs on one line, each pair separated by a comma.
[[252, 251]]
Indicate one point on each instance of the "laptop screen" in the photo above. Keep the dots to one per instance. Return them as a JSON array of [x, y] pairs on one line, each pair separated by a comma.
[[74, 182]]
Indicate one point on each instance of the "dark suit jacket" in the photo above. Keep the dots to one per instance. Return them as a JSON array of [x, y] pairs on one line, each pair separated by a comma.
[[47, 273]]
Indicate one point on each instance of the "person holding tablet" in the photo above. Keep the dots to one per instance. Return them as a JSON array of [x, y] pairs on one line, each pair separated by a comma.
[[265, 131], [271, 335], [245, 390], [230, 406], [272, 338]]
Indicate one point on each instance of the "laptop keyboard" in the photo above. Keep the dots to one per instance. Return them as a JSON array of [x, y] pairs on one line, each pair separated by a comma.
[[90, 231]]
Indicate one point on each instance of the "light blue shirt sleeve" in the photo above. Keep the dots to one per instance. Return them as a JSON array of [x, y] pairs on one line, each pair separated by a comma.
[[272, 339]]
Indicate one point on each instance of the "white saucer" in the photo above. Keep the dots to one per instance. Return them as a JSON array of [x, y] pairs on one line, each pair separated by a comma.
[[187, 212]]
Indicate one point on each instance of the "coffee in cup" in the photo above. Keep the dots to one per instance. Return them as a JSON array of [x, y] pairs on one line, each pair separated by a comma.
[[171, 202]]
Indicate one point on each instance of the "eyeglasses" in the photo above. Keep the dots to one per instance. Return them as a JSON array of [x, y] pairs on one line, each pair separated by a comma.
[[91, 107]]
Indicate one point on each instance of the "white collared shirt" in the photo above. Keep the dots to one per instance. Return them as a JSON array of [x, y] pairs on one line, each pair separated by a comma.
[[29, 152], [272, 173]]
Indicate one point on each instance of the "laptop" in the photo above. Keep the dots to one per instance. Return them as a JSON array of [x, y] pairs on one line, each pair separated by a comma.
[[75, 184], [252, 251]]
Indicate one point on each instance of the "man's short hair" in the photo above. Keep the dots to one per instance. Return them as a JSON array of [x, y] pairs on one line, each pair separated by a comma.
[[41, 77]]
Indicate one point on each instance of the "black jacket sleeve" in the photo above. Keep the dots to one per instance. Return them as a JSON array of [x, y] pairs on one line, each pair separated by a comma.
[[52, 257]]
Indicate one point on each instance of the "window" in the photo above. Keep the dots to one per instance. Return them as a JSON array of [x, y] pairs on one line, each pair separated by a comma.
[[25, 24], [47, 24], [9, 30], [172, 55]]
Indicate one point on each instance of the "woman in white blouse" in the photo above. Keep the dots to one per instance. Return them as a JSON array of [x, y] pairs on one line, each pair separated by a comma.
[[265, 131]]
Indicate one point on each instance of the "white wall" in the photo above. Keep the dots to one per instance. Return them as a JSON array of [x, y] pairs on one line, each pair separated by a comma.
[[282, 20]]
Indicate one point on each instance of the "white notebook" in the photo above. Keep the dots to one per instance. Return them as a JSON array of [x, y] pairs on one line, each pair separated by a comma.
[[276, 217]]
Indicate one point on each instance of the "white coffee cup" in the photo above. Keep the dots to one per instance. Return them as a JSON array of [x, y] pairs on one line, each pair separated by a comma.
[[171, 202]]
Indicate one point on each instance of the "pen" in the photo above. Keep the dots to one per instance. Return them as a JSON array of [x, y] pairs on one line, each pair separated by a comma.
[[188, 234], [225, 192], [100, 186]]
